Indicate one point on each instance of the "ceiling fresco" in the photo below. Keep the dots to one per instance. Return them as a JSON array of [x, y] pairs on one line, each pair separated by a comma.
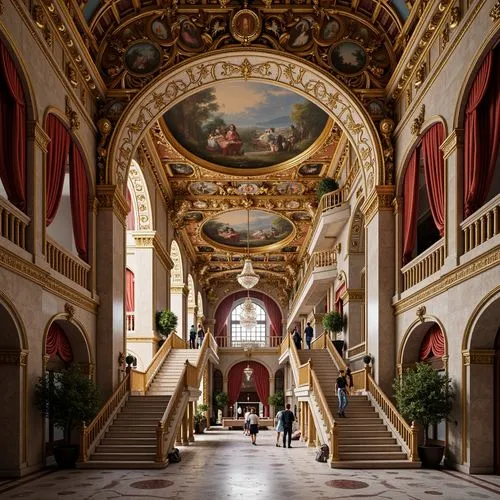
[[245, 127]]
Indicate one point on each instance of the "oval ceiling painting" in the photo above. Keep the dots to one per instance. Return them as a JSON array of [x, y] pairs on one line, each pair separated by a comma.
[[229, 229], [246, 126]]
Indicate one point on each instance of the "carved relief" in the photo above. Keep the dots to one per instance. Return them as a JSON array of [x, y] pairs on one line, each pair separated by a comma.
[[387, 128], [74, 121], [418, 121], [140, 193]]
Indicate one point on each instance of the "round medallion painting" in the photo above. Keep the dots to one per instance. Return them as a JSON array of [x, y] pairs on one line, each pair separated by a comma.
[[246, 126], [230, 229], [348, 57], [142, 58]]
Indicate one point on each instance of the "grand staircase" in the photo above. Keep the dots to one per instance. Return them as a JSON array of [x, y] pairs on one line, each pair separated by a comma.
[[365, 441]]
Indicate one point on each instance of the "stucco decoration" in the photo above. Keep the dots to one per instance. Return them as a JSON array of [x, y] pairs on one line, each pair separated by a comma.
[[177, 273], [288, 72], [140, 198]]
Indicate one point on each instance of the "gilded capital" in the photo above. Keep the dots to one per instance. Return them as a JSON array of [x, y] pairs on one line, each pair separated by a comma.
[[110, 197]]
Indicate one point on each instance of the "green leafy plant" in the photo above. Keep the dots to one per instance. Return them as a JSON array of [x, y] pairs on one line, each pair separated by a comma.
[[324, 186], [424, 396], [166, 322], [200, 419], [69, 398], [333, 321], [277, 400], [221, 399]]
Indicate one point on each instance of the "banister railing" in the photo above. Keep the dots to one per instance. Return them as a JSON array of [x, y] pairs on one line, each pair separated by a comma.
[[337, 358], [13, 224], [482, 225], [358, 379], [67, 264], [304, 375], [89, 435], [423, 266], [270, 341], [130, 321], [408, 433]]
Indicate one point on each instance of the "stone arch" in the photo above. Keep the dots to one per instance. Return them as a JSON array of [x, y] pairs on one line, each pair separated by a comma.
[[177, 272], [277, 68], [244, 359], [13, 373], [481, 387], [141, 202]]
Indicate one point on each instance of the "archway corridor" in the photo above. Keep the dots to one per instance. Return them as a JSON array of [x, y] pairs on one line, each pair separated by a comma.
[[223, 464]]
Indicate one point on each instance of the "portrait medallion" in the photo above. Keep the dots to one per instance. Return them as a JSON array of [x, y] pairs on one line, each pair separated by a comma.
[[245, 25]]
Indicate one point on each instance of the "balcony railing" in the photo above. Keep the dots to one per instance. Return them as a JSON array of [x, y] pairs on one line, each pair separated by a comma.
[[424, 265], [322, 258], [130, 321], [482, 225], [13, 224], [70, 266], [272, 341]]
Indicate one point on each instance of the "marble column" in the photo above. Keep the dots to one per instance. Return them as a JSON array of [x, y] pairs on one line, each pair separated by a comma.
[[110, 263], [185, 426], [311, 429], [178, 305], [380, 269], [272, 409], [354, 309], [191, 421]]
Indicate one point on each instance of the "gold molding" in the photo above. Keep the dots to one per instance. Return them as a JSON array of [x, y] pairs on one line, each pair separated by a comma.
[[495, 12], [36, 132], [380, 200], [18, 357], [74, 121], [142, 340], [418, 121], [478, 357], [110, 197], [184, 290], [449, 280], [452, 142], [144, 239], [353, 295]]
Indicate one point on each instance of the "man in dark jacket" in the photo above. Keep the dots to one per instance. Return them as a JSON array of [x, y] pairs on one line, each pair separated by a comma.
[[309, 334], [287, 417], [192, 337]]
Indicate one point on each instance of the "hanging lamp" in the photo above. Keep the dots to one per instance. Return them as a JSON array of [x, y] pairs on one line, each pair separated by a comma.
[[248, 278]]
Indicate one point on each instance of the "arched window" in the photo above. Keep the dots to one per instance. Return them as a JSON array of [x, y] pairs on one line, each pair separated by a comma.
[[241, 336]]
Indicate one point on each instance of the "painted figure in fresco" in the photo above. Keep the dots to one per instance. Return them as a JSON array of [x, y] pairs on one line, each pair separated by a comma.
[[231, 143], [300, 34]]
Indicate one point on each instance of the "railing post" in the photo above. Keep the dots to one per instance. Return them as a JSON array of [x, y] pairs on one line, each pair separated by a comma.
[[84, 457], [159, 442], [368, 370], [414, 443], [334, 443]]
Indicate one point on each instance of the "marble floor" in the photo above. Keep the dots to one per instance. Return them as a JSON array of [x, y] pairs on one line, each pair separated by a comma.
[[223, 464]]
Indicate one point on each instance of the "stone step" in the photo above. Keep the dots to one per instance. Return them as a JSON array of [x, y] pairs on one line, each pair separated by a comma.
[[375, 464], [365, 434], [374, 448], [114, 434], [355, 440], [357, 420], [151, 441], [120, 457], [373, 455], [125, 448], [125, 464]]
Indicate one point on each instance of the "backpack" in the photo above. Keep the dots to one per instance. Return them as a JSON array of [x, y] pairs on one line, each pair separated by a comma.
[[174, 456], [323, 453]]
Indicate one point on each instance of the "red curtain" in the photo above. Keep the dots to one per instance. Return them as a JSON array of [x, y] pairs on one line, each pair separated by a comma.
[[482, 133], [58, 344], [79, 192], [57, 156], [434, 173], [131, 214], [129, 291], [12, 131], [410, 207], [234, 380], [433, 343], [261, 379], [274, 314]]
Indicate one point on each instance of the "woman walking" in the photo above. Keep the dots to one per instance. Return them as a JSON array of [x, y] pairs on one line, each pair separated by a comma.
[[253, 420], [279, 427]]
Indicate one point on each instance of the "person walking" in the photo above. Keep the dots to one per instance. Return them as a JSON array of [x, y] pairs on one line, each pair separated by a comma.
[[341, 388], [279, 426], [253, 420], [288, 418], [350, 383], [246, 430], [309, 335], [297, 339], [201, 335], [192, 337]]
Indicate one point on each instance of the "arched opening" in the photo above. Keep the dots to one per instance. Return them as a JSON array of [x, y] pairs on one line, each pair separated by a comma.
[[240, 335], [178, 302]]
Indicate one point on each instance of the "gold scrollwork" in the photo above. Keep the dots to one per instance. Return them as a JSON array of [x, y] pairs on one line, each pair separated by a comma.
[[418, 121], [495, 11], [74, 121]]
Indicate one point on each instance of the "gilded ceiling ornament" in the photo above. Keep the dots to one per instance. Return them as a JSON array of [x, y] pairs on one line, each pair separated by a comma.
[[104, 127], [69, 310], [418, 121], [419, 76], [445, 37], [455, 17], [38, 16], [72, 76]]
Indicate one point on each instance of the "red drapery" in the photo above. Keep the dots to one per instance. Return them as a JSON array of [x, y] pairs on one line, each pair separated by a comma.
[[434, 173], [234, 380], [131, 214], [274, 313], [432, 344], [57, 156], [410, 207], [129, 291], [12, 131], [261, 379], [482, 133], [58, 344], [79, 191]]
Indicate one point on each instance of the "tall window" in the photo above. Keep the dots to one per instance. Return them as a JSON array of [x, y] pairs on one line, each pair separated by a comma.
[[241, 336]]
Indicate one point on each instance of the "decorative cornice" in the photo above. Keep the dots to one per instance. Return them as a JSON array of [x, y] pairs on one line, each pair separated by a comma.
[[13, 357], [142, 340], [452, 142], [161, 253], [144, 239], [495, 12], [353, 295], [453, 278], [380, 200], [180, 289], [418, 121], [478, 357], [39, 135], [110, 197]]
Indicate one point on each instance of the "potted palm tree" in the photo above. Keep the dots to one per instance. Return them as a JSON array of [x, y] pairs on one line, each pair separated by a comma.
[[425, 396], [277, 400], [333, 321], [221, 400], [166, 322], [200, 419], [70, 399], [324, 186]]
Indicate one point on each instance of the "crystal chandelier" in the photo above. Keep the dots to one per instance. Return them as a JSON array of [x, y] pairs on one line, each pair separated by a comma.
[[248, 371], [248, 278], [248, 316]]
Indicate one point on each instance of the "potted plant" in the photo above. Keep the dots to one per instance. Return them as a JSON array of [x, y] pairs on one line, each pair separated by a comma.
[[333, 321], [166, 322], [221, 400], [200, 419], [70, 399], [324, 186], [367, 359], [277, 400], [424, 396]]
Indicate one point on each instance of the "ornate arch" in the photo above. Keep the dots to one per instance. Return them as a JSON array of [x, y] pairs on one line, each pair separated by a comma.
[[200, 305], [17, 319], [263, 66], [191, 292], [244, 359], [140, 198], [177, 272]]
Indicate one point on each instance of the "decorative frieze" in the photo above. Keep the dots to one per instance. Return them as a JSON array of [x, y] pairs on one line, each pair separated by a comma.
[[478, 357], [353, 295], [74, 121], [494, 12], [39, 135], [142, 340], [418, 121], [110, 197], [17, 357]]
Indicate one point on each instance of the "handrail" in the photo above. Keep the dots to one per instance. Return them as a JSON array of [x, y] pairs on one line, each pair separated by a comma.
[[13, 223], [358, 379], [424, 265], [337, 358], [270, 342], [482, 225], [89, 435], [407, 432]]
